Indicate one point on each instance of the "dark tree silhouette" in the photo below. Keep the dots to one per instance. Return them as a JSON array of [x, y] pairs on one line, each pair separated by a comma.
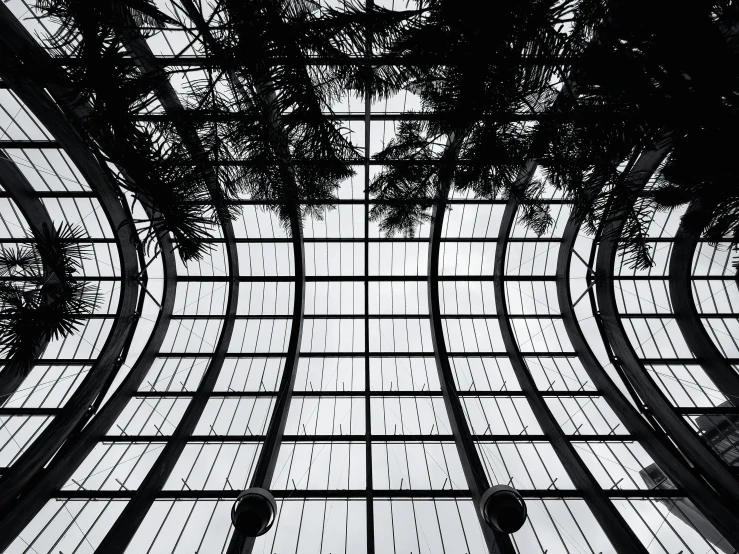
[[622, 84], [582, 87], [481, 81], [151, 161], [291, 153], [42, 296], [666, 74]]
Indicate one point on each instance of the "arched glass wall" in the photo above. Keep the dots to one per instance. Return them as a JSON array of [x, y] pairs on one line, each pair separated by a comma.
[[185, 366]]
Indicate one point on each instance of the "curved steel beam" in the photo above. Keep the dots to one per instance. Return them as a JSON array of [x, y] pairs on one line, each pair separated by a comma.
[[74, 452], [469, 457], [128, 522], [37, 216], [265, 466], [654, 442], [705, 462], [16, 44], [694, 332], [270, 449], [619, 533]]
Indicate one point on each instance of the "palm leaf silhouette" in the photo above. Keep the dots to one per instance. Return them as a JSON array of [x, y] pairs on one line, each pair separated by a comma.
[[43, 297]]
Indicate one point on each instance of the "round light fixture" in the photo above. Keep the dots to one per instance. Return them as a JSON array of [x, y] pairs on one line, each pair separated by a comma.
[[254, 512], [503, 508]]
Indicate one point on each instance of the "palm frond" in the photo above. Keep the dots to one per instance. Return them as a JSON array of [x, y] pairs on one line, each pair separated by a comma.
[[285, 161], [475, 78], [48, 300], [154, 164], [19, 261]]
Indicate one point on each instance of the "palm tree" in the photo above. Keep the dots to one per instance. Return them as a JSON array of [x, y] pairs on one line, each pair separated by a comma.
[[266, 76], [291, 153], [481, 81], [486, 85], [151, 161], [41, 298], [667, 73], [263, 48], [625, 84]]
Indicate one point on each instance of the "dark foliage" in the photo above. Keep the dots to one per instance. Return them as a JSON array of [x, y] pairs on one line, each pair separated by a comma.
[[481, 80], [42, 297], [262, 48], [151, 162], [292, 155], [626, 84], [665, 74], [409, 189], [583, 87]]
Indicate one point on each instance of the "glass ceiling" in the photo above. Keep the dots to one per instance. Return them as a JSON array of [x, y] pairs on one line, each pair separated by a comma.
[[173, 384]]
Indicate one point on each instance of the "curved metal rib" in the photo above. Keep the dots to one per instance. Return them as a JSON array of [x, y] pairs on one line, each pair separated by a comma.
[[133, 514], [655, 443], [474, 471], [15, 43], [74, 452], [270, 450], [130, 519], [37, 217], [686, 315], [621, 536], [704, 461]]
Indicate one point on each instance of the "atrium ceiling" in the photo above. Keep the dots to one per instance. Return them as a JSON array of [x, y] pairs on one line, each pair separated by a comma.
[[409, 373]]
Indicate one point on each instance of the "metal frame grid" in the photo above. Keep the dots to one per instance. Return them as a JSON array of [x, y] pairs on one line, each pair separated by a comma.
[[376, 385]]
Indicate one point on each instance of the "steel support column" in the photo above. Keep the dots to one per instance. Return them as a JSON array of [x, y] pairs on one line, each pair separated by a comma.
[[265, 466], [368, 463], [654, 442], [17, 43], [126, 525], [621, 536], [270, 449], [123, 530]]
